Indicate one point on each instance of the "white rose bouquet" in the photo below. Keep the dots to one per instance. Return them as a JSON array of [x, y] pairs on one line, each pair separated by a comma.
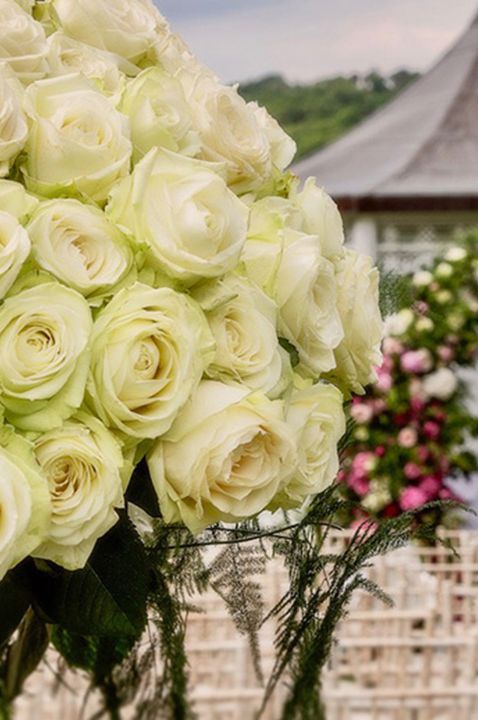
[[180, 325]]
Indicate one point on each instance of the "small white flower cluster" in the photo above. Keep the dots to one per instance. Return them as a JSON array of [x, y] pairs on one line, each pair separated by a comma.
[[165, 290]]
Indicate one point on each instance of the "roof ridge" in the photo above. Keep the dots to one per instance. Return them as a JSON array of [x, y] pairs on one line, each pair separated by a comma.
[[461, 88]]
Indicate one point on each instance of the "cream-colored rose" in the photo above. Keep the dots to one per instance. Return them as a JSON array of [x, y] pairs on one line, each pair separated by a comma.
[[105, 69], [13, 125], [290, 268], [24, 501], [159, 114], [150, 348], [358, 355], [316, 417], [79, 245], [184, 212], [225, 458], [129, 28], [44, 335], [319, 216], [82, 461], [243, 321], [22, 42], [231, 131], [78, 143], [14, 250], [16, 201], [282, 147]]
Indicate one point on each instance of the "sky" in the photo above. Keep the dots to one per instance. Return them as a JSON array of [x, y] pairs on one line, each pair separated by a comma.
[[306, 40]]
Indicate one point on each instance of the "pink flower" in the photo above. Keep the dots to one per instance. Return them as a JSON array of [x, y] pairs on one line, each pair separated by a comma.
[[365, 527], [412, 471], [380, 450], [423, 453], [407, 437], [412, 498], [431, 430], [416, 389], [446, 354], [363, 463], [379, 405], [361, 412], [416, 405], [360, 484], [416, 361], [422, 307], [430, 486], [392, 346], [384, 381]]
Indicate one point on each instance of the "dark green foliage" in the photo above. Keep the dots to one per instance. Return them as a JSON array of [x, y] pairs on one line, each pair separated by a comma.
[[396, 292], [317, 114], [14, 602], [108, 597], [23, 656]]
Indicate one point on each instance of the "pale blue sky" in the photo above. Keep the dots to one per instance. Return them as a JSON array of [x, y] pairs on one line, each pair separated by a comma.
[[309, 39]]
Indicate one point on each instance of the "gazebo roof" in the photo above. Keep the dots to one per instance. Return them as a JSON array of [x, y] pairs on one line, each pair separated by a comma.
[[418, 152]]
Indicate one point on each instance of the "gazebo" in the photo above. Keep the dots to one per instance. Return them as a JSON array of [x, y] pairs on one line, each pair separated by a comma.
[[406, 178]]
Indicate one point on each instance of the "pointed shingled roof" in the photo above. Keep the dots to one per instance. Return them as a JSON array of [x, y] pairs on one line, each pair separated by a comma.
[[420, 150]]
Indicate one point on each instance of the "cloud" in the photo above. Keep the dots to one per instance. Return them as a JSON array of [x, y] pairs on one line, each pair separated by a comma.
[[308, 39]]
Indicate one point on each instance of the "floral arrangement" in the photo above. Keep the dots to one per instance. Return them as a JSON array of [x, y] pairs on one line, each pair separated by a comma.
[[410, 431], [178, 321]]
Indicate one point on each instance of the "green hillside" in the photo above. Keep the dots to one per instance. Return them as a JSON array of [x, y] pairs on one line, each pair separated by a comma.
[[317, 114]]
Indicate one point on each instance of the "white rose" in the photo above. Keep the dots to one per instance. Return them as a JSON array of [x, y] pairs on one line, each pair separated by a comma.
[[243, 321], [67, 56], [150, 348], [78, 245], [422, 278], [440, 384], [129, 28], [455, 254], [44, 335], [358, 355], [225, 458], [231, 131], [398, 324], [82, 462], [316, 417], [184, 212], [159, 114], [282, 147], [13, 126], [15, 200], [319, 216], [14, 250], [289, 267], [24, 501], [22, 42], [78, 143]]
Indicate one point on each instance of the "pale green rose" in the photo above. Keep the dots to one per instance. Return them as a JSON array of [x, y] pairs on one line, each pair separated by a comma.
[[24, 501], [159, 114], [316, 417], [13, 125], [243, 321], [359, 354], [14, 250], [319, 216], [78, 143], [225, 458], [150, 348], [181, 208], [231, 130], [16, 201], [290, 268], [44, 336], [129, 28], [22, 42], [105, 69], [79, 245], [82, 462]]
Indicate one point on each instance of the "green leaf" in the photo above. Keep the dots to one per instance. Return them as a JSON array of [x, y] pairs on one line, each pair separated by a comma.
[[14, 603], [24, 654], [108, 597], [98, 656]]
